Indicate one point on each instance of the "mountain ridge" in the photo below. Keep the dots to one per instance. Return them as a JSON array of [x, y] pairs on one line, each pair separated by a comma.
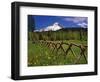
[[57, 27]]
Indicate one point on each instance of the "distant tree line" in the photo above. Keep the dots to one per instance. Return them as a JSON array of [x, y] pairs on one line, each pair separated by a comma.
[[58, 35]]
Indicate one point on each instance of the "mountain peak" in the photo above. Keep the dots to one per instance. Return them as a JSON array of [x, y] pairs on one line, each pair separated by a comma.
[[56, 26]]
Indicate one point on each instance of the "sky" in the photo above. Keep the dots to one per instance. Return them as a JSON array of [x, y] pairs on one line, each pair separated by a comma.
[[42, 21]]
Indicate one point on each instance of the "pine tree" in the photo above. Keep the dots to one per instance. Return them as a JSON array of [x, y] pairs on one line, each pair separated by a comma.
[[31, 23]]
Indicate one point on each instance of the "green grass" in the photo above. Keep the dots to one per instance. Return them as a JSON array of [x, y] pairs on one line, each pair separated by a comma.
[[41, 55]]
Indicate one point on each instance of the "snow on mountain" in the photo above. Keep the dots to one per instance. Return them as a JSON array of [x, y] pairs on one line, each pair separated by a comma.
[[56, 26]]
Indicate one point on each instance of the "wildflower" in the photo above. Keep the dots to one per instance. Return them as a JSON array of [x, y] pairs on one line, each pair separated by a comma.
[[49, 57]]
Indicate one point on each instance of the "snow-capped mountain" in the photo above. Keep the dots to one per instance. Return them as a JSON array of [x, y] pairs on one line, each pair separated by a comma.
[[56, 26]]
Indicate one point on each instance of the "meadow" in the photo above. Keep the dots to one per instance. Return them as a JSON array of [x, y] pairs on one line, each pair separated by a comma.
[[42, 54]]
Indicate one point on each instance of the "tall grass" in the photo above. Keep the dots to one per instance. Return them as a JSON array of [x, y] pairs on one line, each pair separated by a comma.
[[41, 55], [59, 35]]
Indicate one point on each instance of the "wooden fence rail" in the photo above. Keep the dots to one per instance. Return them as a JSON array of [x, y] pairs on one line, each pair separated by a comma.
[[56, 46]]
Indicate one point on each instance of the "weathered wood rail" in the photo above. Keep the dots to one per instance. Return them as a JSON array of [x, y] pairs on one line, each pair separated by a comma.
[[56, 46]]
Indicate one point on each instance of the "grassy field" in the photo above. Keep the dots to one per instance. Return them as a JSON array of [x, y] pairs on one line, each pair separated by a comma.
[[41, 55]]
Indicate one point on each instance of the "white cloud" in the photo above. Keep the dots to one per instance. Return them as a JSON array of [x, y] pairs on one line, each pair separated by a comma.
[[80, 21], [84, 25], [76, 19]]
